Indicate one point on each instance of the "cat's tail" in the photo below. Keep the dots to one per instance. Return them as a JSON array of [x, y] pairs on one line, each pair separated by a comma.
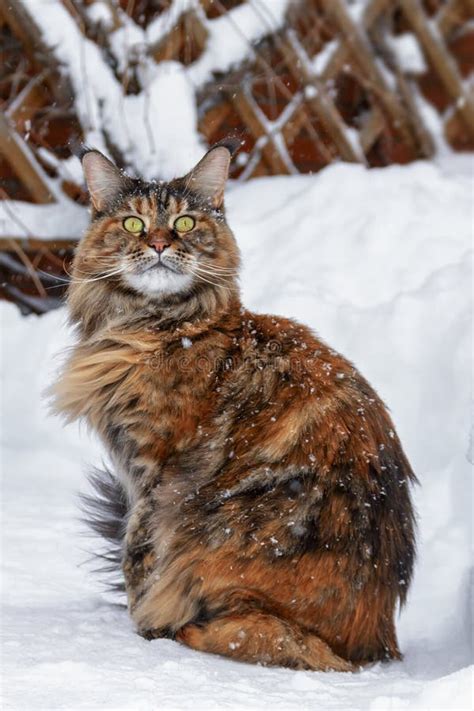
[[105, 512]]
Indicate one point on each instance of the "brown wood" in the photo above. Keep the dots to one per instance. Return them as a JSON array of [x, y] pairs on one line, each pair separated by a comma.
[[77, 12], [439, 57], [266, 67], [425, 141], [215, 117], [111, 4], [33, 244], [23, 26], [371, 129], [341, 54], [452, 15], [26, 104], [405, 88], [29, 268], [189, 29], [271, 81], [320, 101], [23, 162], [357, 43], [292, 127], [269, 150]]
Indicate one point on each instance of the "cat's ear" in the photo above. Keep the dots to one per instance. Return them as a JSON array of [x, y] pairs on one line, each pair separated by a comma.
[[209, 176], [104, 180]]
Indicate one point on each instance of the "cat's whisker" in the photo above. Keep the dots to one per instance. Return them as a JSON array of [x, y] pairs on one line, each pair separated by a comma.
[[55, 286], [70, 280], [105, 261], [224, 275], [217, 267], [105, 275], [81, 272], [221, 277], [200, 277], [82, 277], [217, 278], [209, 267], [54, 276]]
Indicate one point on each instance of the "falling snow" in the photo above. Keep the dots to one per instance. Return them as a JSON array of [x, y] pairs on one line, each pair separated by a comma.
[[385, 279]]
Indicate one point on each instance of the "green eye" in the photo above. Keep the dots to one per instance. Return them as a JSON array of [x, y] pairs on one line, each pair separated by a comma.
[[185, 223], [133, 225]]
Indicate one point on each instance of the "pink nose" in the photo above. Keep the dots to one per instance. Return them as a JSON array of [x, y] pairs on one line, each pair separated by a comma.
[[159, 245]]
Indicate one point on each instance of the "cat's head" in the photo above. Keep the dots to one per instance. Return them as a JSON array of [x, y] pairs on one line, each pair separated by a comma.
[[162, 241]]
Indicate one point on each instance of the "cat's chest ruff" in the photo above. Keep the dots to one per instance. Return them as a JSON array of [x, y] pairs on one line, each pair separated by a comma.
[[119, 375]]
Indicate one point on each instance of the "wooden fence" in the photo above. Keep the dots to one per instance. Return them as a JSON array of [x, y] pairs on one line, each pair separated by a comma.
[[321, 87]]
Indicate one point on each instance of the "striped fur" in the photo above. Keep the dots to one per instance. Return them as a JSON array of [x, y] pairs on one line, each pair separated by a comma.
[[261, 501]]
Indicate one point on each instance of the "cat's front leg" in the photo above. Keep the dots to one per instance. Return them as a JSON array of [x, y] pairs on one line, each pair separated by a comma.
[[139, 559]]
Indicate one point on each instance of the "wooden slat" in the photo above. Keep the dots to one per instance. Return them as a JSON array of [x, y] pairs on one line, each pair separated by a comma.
[[453, 14], [440, 58], [33, 244], [371, 129], [188, 29], [298, 120], [320, 101], [78, 14], [113, 7], [357, 43], [214, 118], [425, 141], [23, 163], [405, 88], [27, 103], [268, 149], [292, 127], [262, 64], [33, 304], [341, 55], [25, 29]]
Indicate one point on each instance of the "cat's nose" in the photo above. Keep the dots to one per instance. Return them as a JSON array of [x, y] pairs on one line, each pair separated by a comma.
[[159, 244]]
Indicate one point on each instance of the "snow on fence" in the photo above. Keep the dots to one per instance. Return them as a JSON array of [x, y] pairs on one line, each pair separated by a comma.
[[302, 82]]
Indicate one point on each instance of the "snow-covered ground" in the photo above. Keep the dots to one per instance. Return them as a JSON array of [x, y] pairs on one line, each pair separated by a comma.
[[378, 262]]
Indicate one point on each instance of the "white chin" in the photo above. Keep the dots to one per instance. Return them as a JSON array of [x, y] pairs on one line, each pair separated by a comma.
[[159, 282]]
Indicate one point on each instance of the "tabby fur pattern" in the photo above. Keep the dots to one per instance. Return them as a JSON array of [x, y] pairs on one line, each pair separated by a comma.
[[260, 495]]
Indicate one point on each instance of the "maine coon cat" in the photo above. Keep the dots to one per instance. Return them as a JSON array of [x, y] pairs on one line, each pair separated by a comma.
[[259, 495]]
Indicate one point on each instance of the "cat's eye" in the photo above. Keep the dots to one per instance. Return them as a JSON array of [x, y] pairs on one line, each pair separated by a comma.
[[185, 223], [133, 225]]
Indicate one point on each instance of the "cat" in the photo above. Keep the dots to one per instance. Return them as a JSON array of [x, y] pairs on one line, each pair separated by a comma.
[[260, 497]]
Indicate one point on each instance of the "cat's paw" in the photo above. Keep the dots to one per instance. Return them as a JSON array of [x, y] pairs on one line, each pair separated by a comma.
[[156, 633], [191, 635]]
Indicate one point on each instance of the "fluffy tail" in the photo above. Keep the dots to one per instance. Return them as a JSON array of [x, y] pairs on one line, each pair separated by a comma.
[[105, 512]]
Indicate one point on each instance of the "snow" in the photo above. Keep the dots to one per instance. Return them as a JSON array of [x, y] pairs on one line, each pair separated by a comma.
[[321, 60], [127, 42], [101, 13], [408, 53], [154, 130], [63, 220], [145, 126], [232, 36], [158, 28], [357, 9], [378, 262]]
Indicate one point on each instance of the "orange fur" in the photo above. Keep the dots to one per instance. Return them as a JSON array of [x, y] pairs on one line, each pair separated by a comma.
[[269, 512]]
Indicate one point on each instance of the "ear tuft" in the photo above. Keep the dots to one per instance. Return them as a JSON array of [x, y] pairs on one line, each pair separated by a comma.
[[209, 176], [104, 180], [232, 143]]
